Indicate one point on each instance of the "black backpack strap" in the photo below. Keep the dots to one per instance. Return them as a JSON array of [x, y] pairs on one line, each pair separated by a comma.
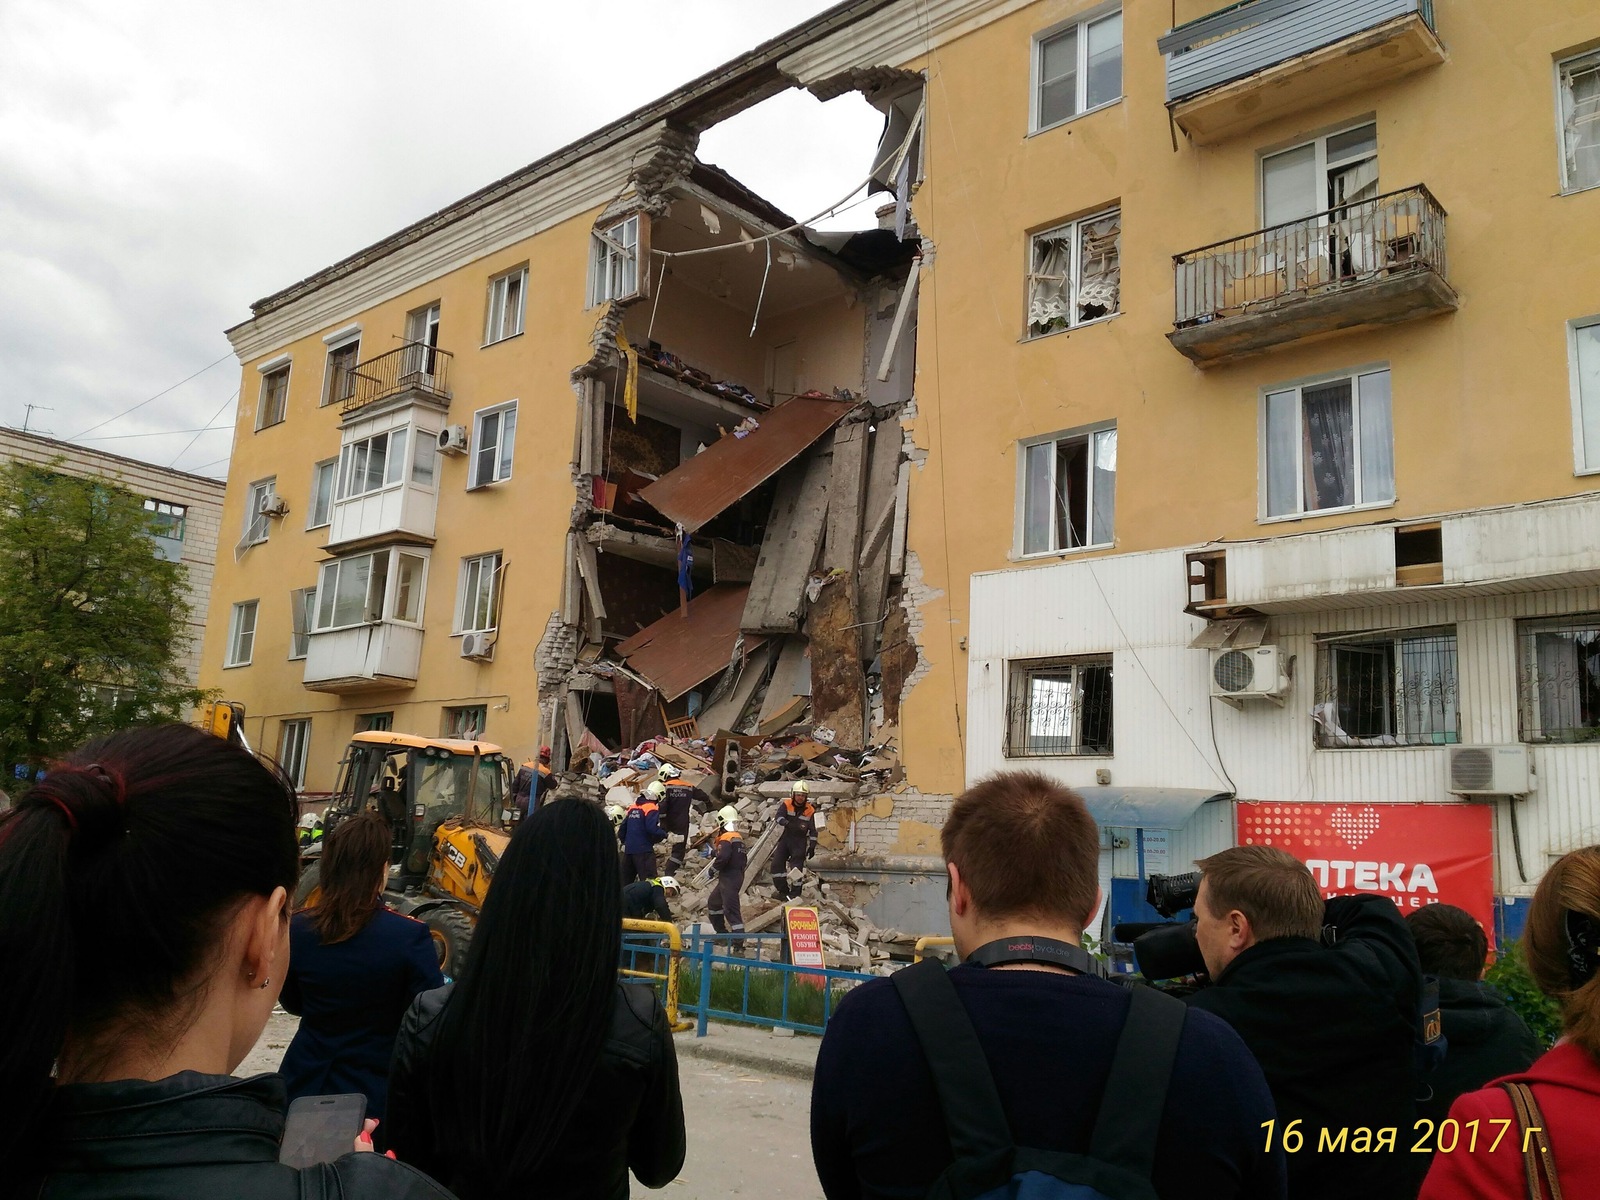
[[1136, 1091], [973, 1115]]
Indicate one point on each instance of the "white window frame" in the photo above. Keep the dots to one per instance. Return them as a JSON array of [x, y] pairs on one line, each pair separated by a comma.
[[258, 528], [238, 637], [495, 326], [1074, 233], [1081, 23], [614, 262], [1585, 459], [331, 467], [447, 724], [1563, 68], [1322, 165], [504, 448], [1089, 434], [302, 612], [294, 748], [1298, 386], [376, 610], [277, 369], [344, 480], [491, 564], [1019, 680], [337, 342]]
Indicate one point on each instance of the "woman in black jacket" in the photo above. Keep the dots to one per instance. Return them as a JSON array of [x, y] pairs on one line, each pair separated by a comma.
[[144, 925], [538, 1073]]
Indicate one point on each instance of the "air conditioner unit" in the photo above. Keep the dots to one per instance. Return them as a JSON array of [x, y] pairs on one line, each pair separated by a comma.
[[477, 645], [1490, 771], [270, 506], [1256, 674], [453, 439]]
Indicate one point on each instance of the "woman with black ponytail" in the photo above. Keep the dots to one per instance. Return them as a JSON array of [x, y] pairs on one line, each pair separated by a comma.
[[144, 932], [539, 1074]]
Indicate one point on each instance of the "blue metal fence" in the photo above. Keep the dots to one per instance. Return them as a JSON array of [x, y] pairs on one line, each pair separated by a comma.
[[702, 953]]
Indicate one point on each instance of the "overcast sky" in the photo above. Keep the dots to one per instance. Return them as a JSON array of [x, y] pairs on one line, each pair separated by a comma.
[[163, 164]]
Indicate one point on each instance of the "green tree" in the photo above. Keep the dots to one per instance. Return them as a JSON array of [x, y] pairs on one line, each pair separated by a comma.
[[1510, 975], [92, 619]]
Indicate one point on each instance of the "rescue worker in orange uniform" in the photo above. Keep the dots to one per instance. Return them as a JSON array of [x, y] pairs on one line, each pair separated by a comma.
[[798, 841], [641, 830], [723, 907]]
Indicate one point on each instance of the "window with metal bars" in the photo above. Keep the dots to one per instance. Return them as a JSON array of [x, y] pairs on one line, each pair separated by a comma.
[[1559, 679], [1059, 706], [1387, 688]]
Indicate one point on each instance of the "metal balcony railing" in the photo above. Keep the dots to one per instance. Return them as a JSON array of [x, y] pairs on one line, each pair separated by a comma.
[[411, 367], [1244, 39], [1333, 250]]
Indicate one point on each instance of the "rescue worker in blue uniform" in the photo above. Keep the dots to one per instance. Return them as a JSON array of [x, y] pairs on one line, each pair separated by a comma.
[[798, 841], [646, 899], [678, 804], [641, 830], [729, 864]]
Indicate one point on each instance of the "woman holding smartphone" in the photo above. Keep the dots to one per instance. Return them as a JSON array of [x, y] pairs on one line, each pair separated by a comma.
[[354, 969], [538, 1073], [144, 924]]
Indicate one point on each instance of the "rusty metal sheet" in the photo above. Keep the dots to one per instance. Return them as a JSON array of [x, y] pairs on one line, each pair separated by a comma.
[[682, 649], [709, 482]]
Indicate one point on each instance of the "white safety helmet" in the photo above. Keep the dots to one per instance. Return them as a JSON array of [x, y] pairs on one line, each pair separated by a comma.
[[730, 827], [800, 788], [310, 821], [656, 790], [614, 811], [666, 771], [668, 883], [727, 814]]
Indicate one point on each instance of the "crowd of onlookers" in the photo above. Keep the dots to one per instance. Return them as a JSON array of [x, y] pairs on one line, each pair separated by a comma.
[[145, 922]]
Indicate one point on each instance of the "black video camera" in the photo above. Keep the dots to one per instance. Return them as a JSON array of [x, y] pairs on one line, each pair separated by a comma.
[[1169, 895], [1168, 950]]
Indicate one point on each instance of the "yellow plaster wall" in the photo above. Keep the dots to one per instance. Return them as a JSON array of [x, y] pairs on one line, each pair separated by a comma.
[[525, 516], [1481, 399]]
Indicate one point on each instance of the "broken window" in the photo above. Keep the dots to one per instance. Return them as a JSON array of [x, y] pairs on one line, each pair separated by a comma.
[[1580, 122], [478, 606], [339, 379], [1076, 68], [1069, 491], [1387, 689], [274, 403], [506, 296], [261, 496], [1074, 273], [1328, 445], [493, 440], [1059, 707], [614, 262], [302, 612], [463, 721], [1560, 692]]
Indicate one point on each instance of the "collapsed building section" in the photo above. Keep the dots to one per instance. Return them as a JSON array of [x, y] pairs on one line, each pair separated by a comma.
[[738, 538]]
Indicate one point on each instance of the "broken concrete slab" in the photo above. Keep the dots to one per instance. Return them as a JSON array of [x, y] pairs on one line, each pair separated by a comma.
[[725, 713], [777, 599]]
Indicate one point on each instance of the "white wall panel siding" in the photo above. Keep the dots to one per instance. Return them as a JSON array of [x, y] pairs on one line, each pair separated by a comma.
[[1533, 539], [1131, 606], [1290, 568]]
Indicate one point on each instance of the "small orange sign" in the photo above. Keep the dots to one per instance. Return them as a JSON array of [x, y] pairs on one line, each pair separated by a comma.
[[805, 937]]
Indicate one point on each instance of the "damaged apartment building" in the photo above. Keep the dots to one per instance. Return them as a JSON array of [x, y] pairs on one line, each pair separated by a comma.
[[612, 451]]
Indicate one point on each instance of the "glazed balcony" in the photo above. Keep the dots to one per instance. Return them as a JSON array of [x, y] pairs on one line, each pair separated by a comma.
[[413, 369], [1244, 66], [1359, 266]]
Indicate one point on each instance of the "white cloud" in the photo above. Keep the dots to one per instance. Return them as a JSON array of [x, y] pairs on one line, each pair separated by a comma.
[[163, 164]]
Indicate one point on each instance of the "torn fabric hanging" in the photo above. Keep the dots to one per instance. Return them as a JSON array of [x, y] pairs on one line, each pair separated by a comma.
[[685, 563], [630, 386], [1099, 267], [1050, 283]]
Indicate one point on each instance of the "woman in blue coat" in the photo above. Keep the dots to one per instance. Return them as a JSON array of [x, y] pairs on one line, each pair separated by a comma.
[[354, 968]]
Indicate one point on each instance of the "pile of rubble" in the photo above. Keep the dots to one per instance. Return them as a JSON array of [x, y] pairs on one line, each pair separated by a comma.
[[754, 775]]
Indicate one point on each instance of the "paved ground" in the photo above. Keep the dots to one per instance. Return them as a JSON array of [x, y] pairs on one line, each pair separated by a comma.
[[745, 1109]]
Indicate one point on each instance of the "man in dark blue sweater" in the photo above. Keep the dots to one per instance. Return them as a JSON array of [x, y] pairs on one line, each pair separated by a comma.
[[1022, 856]]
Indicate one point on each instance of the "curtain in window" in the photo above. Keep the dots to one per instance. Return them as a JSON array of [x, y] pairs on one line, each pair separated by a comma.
[[1556, 660], [1580, 112], [1329, 446], [1050, 283], [1428, 689], [1099, 267]]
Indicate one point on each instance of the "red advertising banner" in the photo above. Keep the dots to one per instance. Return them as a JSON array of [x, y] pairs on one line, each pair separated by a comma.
[[805, 937], [1416, 854]]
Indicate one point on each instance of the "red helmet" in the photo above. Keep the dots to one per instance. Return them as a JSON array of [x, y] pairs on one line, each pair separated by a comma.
[[544, 753]]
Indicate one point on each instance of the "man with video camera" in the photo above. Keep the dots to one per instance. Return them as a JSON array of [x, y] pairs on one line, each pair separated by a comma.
[[1326, 995]]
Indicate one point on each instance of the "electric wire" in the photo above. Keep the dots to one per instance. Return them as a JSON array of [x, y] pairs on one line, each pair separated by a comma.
[[220, 409], [157, 396]]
